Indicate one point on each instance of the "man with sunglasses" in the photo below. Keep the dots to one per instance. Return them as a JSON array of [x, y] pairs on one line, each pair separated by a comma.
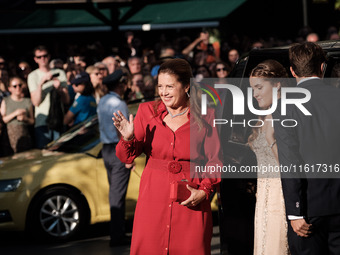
[[41, 83]]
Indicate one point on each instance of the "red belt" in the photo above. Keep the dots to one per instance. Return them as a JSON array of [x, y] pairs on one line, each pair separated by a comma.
[[172, 166]]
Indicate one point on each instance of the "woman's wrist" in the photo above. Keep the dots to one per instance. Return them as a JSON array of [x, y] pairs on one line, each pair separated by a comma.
[[129, 138], [206, 191]]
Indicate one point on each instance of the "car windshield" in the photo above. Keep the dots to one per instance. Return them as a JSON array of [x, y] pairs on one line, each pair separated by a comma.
[[79, 138]]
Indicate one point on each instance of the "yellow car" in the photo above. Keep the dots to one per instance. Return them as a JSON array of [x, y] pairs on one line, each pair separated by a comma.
[[54, 193]]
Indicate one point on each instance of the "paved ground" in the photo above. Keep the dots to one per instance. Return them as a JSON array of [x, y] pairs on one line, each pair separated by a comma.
[[96, 242]]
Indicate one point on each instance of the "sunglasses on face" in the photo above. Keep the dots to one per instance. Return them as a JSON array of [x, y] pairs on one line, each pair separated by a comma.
[[221, 69], [42, 56], [17, 85]]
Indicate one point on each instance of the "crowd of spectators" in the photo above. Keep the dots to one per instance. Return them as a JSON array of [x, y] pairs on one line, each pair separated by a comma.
[[60, 84]]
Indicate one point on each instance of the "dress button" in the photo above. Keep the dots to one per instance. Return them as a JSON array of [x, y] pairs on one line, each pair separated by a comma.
[[167, 226], [172, 143], [166, 249], [169, 205]]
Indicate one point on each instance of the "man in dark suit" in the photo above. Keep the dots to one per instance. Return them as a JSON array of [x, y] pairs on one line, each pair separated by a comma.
[[312, 199]]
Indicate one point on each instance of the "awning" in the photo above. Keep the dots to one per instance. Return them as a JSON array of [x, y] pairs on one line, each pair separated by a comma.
[[169, 15]]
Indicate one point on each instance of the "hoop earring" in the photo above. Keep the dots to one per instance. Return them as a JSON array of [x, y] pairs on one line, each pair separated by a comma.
[[188, 94]]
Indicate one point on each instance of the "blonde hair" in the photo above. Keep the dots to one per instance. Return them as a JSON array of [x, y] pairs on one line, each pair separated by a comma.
[[91, 69]]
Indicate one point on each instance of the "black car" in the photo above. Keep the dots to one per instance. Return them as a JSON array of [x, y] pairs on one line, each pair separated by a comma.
[[237, 196]]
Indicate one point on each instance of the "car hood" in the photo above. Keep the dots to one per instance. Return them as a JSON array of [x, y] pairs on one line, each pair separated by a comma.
[[14, 166]]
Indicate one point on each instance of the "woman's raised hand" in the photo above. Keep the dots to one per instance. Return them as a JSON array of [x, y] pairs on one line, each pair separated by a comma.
[[124, 126]]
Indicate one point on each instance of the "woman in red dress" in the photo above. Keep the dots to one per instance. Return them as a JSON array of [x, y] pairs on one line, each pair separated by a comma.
[[172, 141]]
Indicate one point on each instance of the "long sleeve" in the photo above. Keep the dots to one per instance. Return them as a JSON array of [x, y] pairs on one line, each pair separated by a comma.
[[127, 151], [213, 156], [289, 157]]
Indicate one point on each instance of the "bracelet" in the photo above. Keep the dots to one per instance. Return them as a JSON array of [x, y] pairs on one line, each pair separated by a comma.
[[271, 146]]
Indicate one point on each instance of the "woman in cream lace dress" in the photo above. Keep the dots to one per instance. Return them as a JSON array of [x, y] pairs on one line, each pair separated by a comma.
[[270, 217]]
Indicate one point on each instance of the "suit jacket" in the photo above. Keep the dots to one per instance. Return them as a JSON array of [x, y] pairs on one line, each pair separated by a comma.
[[315, 140]]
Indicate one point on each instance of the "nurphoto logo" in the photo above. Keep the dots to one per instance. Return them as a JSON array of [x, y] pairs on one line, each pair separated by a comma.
[[238, 103]]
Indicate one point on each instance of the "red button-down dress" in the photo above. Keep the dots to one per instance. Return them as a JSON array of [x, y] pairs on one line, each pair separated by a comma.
[[160, 225]]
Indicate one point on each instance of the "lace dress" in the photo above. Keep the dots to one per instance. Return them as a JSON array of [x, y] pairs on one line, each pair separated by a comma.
[[270, 216]]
